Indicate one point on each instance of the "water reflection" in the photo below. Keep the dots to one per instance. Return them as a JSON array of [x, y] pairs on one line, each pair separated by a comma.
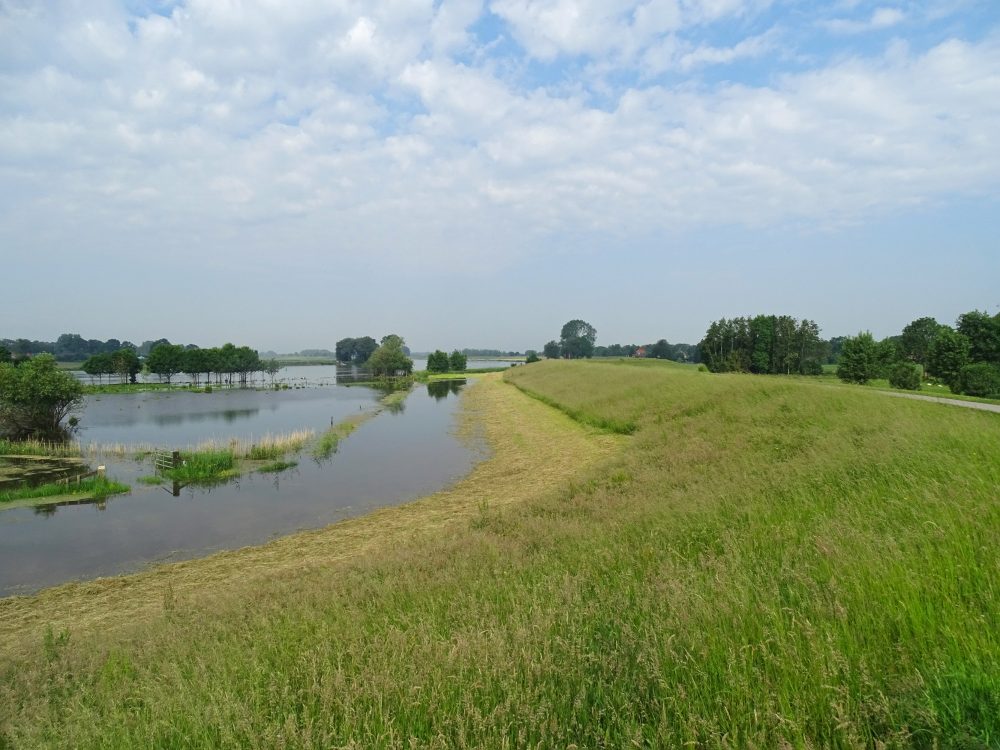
[[441, 389], [399, 455]]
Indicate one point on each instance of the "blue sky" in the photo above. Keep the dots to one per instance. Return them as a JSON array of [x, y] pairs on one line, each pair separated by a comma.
[[476, 173]]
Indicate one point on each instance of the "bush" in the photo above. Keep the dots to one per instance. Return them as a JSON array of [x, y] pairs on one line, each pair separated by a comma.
[[858, 359], [980, 379], [905, 375], [702, 368]]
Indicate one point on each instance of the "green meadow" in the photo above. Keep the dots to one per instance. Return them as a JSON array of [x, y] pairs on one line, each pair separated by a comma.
[[652, 557]]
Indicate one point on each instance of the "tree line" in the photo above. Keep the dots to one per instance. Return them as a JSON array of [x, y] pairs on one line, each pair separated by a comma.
[[965, 357], [765, 344], [228, 363], [72, 347], [439, 361]]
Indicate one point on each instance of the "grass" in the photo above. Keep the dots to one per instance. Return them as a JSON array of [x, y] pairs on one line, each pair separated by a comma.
[[96, 487], [38, 448], [204, 467], [151, 480], [763, 563], [277, 466]]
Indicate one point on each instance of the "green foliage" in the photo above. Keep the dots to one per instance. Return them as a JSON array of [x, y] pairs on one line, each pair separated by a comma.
[[277, 466], [457, 361], [916, 339], [5, 355], [166, 360], [437, 361], [552, 350], [905, 375], [859, 359], [389, 360], [576, 340], [96, 487], [204, 467], [983, 333], [773, 344], [886, 355], [531, 356], [35, 397], [355, 350], [948, 354], [980, 379]]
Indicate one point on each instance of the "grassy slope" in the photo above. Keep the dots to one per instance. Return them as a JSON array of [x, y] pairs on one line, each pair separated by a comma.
[[767, 562]]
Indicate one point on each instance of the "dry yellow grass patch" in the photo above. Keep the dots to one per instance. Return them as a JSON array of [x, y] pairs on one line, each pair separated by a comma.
[[534, 448]]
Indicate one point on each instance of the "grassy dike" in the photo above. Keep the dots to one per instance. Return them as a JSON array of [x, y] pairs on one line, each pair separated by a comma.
[[761, 563]]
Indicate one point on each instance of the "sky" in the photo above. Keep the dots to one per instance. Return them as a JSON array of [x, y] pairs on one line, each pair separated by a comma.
[[476, 173]]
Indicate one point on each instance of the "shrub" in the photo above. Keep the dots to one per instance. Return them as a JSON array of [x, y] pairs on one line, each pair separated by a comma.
[[980, 379], [702, 368], [905, 375]]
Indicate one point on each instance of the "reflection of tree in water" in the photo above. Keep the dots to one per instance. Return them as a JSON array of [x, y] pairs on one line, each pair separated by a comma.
[[441, 389]]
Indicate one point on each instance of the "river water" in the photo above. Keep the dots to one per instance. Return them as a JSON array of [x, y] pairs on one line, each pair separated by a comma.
[[399, 455]]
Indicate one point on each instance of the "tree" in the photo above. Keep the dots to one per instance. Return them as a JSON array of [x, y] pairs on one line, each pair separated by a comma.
[[980, 379], [858, 359], [126, 364], [577, 339], [98, 365], [531, 356], [5, 355], [916, 339], [272, 367], [389, 359], [166, 360], [437, 361], [457, 362], [983, 333], [193, 363], [552, 350], [886, 355], [35, 397], [948, 354], [905, 375]]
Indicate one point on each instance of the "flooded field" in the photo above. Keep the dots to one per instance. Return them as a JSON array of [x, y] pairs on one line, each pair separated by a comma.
[[399, 455]]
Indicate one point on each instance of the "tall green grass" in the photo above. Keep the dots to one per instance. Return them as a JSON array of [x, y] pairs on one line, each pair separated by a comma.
[[69, 449], [769, 563], [204, 466], [97, 487]]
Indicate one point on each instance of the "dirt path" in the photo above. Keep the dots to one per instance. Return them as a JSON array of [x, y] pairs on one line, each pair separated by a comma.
[[948, 401]]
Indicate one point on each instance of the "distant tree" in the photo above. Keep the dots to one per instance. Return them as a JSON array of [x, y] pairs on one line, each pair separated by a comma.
[[915, 341], [858, 359], [272, 367], [834, 347], [577, 339], [531, 356], [98, 365], [345, 350], [980, 379], [552, 350], [389, 358], [660, 350], [886, 355], [948, 354], [35, 397], [166, 360], [5, 355], [364, 347], [125, 363], [905, 375], [983, 333], [437, 361], [457, 361], [193, 363]]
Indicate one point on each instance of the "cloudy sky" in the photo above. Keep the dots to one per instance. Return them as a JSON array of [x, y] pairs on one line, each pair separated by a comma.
[[469, 173]]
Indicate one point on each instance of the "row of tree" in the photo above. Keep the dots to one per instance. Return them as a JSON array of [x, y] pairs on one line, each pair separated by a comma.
[[965, 357], [227, 363], [438, 361], [356, 351], [72, 347], [767, 344]]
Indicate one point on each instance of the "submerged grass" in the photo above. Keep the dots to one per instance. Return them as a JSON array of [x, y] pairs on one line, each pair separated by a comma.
[[329, 441], [763, 563], [96, 487], [204, 466], [277, 466]]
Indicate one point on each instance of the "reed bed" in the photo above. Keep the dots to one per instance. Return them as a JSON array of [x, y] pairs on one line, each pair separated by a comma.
[[70, 449]]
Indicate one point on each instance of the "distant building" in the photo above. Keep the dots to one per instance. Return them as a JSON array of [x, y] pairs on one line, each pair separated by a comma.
[[640, 352]]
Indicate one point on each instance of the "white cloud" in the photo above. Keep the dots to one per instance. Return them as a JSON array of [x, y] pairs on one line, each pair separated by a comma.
[[881, 18], [339, 129]]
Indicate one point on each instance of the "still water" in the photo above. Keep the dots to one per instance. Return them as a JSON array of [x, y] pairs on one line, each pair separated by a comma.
[[395, 457]]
